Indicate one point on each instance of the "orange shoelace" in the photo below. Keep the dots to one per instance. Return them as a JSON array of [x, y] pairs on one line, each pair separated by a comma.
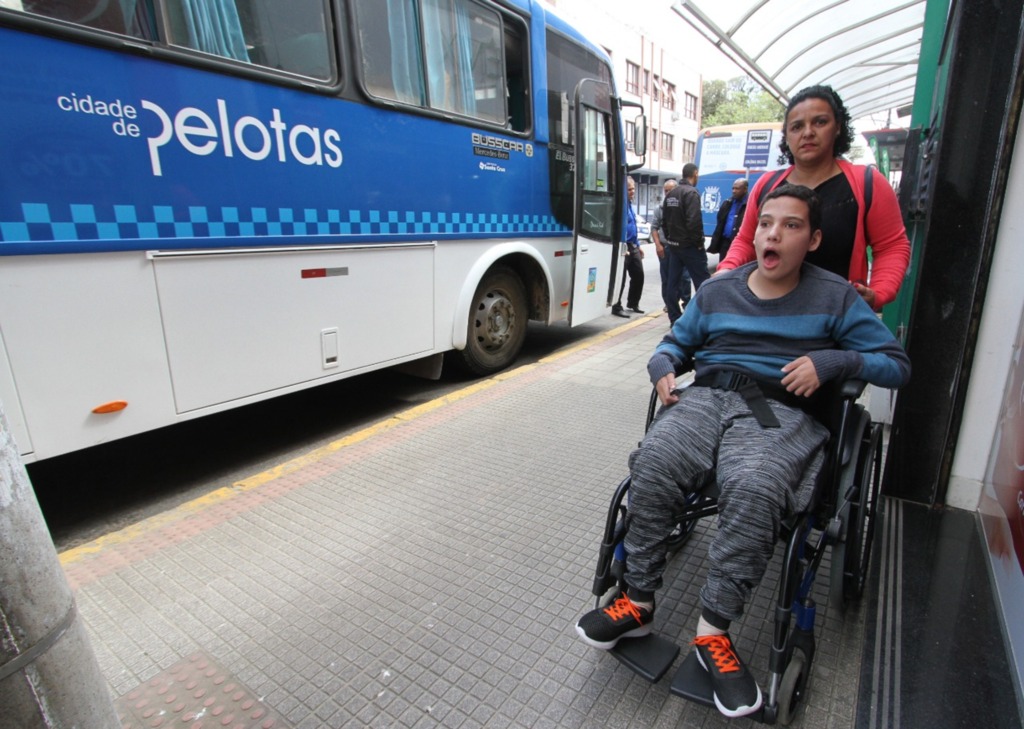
[[623, 607], [722, 653]]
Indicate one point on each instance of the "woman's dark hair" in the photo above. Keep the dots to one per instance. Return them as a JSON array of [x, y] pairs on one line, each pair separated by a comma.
[[845, 138], [800, 193]]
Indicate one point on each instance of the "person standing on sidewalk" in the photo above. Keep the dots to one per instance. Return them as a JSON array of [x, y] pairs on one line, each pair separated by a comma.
[[730, 215], [634, 266], [683, 236], [659, 247]]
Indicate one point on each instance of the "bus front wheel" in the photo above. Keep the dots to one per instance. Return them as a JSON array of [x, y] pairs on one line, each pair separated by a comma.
[[497, 323]]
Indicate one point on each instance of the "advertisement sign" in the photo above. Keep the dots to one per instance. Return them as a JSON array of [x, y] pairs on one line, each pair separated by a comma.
[[729, 152]]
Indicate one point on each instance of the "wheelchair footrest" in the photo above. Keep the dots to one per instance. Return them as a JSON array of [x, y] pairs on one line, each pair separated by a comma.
[[649, 656], [692, 682]]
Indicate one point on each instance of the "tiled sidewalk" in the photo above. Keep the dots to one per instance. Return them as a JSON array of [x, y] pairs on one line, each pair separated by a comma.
[[427, 575]]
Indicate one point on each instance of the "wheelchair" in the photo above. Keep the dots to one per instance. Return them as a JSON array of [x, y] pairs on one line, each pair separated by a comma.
[[840, 518]]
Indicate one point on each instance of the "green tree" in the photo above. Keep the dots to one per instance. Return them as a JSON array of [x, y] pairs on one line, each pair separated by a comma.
[[715, 93], [737, 101]]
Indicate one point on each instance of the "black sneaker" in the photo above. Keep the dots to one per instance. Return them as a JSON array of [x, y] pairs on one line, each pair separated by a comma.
[[602, 628], [736, 691]]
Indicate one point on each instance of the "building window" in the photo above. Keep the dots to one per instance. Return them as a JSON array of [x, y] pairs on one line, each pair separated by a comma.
[[689, 150], [690, 106], [630, 134], [654, 139], [669, 99], [666, 146], [647, 81], [656, 89], [632, 78]]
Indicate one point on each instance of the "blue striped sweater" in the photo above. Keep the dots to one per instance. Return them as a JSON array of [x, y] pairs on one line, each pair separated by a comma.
[[727, 328]]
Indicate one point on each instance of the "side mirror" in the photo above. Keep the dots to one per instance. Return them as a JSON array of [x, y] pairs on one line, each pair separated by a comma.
[[639, 132], [640, 138]]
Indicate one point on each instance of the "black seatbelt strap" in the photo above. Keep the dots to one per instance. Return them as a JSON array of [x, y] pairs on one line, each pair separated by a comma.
[[748, 389], [758, 404]]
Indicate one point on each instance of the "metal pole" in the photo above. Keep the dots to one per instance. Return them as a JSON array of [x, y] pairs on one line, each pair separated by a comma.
[[49, 676]]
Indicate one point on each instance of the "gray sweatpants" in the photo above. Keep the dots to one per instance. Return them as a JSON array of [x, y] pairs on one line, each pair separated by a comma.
[[763, 475]]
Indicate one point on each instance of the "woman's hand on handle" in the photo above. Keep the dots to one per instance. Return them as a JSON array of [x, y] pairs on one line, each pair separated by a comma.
[[865, 293]]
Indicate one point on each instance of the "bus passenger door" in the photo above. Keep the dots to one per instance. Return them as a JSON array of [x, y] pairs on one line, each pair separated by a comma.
[[598, 204]]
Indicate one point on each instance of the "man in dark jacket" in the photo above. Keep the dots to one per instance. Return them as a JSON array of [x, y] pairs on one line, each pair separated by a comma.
[[683, 237], [730, 215]]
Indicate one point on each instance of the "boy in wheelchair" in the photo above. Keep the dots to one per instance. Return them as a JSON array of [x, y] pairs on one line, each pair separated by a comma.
[[762, 338]]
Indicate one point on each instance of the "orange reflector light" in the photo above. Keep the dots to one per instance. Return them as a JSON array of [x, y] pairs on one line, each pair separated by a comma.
[[565, 304], [110, 407]]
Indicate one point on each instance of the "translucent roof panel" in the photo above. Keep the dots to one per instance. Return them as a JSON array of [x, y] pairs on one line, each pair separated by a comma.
[[866, 49]]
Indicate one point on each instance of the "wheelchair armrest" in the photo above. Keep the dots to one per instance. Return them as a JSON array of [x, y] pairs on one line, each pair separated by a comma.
[[852, 388]]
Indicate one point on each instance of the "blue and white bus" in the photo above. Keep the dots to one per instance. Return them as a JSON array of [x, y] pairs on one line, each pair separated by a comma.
[[728, 152], [205, 203]]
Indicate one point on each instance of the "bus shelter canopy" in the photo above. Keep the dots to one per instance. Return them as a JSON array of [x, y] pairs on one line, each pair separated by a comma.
[[867, 50]]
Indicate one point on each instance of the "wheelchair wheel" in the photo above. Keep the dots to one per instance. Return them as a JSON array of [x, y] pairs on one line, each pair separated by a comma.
[[681, 534], [793, 686], [863, 511]]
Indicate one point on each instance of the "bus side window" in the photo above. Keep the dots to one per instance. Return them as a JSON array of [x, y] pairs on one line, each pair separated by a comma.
[[213, 28], [516, 63], [440, 54], [125, 17], [389, 44], [465, 69], [288, 37]]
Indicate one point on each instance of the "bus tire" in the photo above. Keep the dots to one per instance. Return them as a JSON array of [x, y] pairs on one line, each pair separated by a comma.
[[497, 323]]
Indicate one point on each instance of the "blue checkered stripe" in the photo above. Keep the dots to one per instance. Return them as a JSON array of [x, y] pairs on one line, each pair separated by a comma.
[[44, 222]]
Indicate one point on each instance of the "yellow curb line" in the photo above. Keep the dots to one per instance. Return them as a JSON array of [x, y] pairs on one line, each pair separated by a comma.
[[222, 494]]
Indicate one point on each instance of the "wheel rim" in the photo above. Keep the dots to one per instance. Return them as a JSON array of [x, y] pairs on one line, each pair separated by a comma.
[[791, 689], [495, 321]]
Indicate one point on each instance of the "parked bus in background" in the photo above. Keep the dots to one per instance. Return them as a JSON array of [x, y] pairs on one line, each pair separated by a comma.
[[728, 152], [207, 204]]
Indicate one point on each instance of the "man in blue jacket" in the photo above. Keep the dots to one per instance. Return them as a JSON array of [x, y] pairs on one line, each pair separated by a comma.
[[634, 264], [730, 215]]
